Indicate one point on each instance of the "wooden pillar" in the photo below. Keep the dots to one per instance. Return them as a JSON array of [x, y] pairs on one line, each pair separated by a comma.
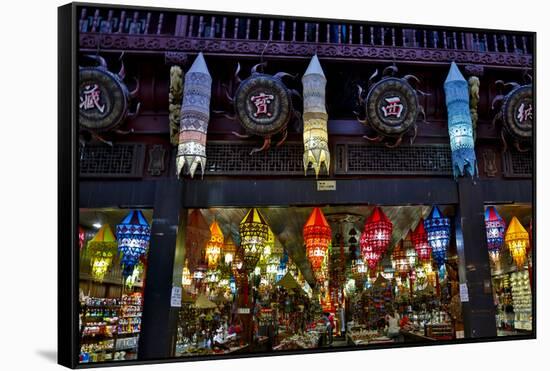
[[474, 267], [159, 318]]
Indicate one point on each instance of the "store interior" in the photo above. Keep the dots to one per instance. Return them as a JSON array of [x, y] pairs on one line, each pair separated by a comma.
[[272, 279]]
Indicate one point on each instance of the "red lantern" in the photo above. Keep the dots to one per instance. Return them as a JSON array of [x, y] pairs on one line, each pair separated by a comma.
[[420, 242], [317, 237], [375, 237]]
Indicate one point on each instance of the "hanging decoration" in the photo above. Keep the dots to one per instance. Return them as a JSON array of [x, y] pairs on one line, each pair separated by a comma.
[[186, 279], [317, 237], [420, 242], [494, 227], [316, 151], [517, 242], [375, 238], [515, 111], [400, 261], [132, 279], [102, 249], [104, 99], [198, 235], [460, 124], [359, 271], [390, 107], [263, 105], [438, 229], [238, 268], [195, 114], [214, 245], [229, 249], [410, 252], [253, 231], [81, 237], [133, 235], [473, 90]]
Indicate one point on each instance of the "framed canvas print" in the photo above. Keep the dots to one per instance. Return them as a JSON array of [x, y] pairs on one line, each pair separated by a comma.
[[237, 185]]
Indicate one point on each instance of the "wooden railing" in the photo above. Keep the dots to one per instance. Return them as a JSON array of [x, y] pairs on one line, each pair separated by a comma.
[[268, 29]]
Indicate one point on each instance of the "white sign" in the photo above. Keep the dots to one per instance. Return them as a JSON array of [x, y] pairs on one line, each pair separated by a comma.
[[464, 293], [243, 310], [175, 298], [326, 185]]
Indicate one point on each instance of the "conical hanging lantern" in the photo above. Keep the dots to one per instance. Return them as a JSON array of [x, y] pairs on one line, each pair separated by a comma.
[[268, 248], [316, 151], [438, 229], [375, 238], [460, 124], [214, 245], [81, 237], [102, 249], [194, 118], [133, 235], [229, 249], [410, 252], [517, 241], [419, 239], [238, 267], [186, 278], [317, 237], [494, 227], [253, 231], [198, 235], [399, 259]]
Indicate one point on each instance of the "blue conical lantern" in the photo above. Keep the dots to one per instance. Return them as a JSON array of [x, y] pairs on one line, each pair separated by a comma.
[[438, 228], [460, 123], [133, 235], [495, 228]]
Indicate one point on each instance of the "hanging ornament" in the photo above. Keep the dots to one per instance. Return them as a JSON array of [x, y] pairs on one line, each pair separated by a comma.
[[410, 252], [317, 237], [102, 249], [517, 241], [494, 227], [133, 235], [315, 118], [375, 238], [186, 279], [229, 249], [420, 242], [253, 231], [438, 229], [214, 245], [198, 235], [195, 114], [238, 267], [400, 260], [460, 124]]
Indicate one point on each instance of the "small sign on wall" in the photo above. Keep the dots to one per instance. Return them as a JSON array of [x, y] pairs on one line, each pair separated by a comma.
[[175, 298], [464, 293], [326, 185], [243, 310]]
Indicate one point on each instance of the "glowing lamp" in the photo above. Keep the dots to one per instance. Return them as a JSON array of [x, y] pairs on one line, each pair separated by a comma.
[[200, 272], [410, 252], [317, 237], [438, 229], [214, 245], [253, 231], [186, 279], [494, 227], [198, 235], [133, 235], [517, 241], [400, 260], [377, 234], [102, 249], [238, 267], [229, 249], [419, 239]]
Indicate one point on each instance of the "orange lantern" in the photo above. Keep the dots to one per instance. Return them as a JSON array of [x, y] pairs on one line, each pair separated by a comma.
[[517, 241], [317, 237], [214, 246]]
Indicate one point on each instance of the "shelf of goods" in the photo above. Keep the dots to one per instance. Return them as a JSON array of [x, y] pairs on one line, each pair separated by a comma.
[[98, 322], [128, 327], [521, 299]]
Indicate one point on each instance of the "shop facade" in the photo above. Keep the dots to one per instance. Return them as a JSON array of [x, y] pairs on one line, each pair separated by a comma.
[[174, 302]]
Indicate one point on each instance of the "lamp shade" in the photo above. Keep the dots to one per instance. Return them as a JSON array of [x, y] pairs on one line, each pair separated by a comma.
[[399, 259], [186, 278], [198, 235], [495, 228], [438, 229], [214, 245], [102, 249], [376, 237], [229, 249], [317, 237], [253, 231], [238, 267], [133, 235], [517, 241], [410, 252], [419, 239]]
